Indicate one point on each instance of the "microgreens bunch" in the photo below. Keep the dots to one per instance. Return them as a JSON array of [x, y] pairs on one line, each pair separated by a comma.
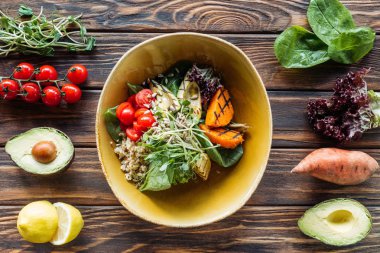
[[39, 35], [173, 144]]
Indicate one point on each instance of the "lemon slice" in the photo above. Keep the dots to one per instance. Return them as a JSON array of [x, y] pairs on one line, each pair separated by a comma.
[[70, 223]]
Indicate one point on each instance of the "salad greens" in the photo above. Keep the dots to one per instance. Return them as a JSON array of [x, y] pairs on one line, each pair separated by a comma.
[[174, 149], [335, 37], [328, 19], [296, 47], [113, 124]]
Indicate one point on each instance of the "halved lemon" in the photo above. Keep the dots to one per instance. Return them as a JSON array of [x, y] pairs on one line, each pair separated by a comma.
[[70, 223]]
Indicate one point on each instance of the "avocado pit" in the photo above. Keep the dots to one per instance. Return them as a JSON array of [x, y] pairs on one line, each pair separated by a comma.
[[44, 151]]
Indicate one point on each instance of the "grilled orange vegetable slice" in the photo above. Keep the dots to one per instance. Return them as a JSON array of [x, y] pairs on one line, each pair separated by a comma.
[[226, 138], [220, 110]]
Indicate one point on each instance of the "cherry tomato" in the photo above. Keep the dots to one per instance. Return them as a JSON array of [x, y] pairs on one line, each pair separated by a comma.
[[146, 120], [77, 74], [51, 96], [132, 100], [121, 107], [31, 92], [46, 72], [144, 98], [9, 89], [126, 113], [132, 134], [24, 71], [72, 93], [138, 128], [140, 112]]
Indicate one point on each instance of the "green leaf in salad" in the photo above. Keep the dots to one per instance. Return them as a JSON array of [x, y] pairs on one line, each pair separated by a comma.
[[113, 124], [134, 88], [156, 179], [223, 157], [328, 19], [350, 46], [173, 78], [297, 47]]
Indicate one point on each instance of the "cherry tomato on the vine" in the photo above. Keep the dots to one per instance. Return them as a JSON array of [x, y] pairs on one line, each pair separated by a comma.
[[77, 74], [146, 121], [72, 93], [9, 89], [132, 134], [51, 96], [132, 100], [141, 111], [24, 71], [144, 98], [31, 92], [125, 113], [46, 72]]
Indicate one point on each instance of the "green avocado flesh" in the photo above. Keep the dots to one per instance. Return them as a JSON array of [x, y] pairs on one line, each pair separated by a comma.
[[337, 222], [20, 150]]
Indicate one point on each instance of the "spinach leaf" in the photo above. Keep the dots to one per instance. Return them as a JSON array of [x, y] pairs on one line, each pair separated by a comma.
[[328, 19], [134, 88], [156, 179], [349, 47], [231, 156], [113, 124], [173, 78], [223, 157], [296, 47]]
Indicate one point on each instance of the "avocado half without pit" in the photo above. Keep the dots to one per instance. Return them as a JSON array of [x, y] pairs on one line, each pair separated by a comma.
[[337, 222], [42, 151]]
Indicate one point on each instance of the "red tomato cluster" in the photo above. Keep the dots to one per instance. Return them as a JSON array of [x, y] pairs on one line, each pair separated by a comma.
[[134, 114], [42, 83]]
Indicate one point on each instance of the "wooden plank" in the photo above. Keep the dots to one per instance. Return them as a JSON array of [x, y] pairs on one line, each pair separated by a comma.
[[79, 120], [252, 229], [259, 49], [244, 16], [84, 183]]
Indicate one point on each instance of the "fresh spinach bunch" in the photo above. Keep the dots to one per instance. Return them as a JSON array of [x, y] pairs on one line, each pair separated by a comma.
[[335, 37]]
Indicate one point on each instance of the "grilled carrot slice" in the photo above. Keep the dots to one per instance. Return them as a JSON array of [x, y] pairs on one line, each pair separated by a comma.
[[226, 138], [220, 110]]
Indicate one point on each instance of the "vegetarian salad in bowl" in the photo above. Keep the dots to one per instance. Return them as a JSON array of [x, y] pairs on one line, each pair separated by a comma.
[[190, 127], [173, 126]]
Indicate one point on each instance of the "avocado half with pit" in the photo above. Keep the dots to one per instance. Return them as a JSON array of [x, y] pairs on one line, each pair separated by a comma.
[[337, 222], [42, 150]]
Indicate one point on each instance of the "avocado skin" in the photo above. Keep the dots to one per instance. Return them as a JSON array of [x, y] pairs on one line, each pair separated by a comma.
[[49, 175], [336, 243]]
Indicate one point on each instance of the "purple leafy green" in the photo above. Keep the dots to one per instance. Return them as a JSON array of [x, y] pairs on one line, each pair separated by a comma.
[[207, 81], [350, 111]]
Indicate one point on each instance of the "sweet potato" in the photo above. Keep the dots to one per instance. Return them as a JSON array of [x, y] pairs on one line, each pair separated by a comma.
[[338, 166], [220, 110], [226, 138]]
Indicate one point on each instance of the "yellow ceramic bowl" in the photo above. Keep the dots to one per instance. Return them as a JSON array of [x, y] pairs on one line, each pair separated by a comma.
[[227, 189]]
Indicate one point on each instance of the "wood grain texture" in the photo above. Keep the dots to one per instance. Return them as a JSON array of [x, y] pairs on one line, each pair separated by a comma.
[[259, 48], [227, 16], [85, 184], [290, 126], [252, 229]]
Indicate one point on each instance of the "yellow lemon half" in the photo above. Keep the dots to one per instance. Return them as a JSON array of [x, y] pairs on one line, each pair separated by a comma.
[[37, 222], [70, 223]]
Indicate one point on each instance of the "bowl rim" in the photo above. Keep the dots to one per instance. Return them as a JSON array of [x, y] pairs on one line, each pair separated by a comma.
[[255, 183]]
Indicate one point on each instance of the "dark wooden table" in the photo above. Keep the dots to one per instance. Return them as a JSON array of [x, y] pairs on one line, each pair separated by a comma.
[[268, 222]]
